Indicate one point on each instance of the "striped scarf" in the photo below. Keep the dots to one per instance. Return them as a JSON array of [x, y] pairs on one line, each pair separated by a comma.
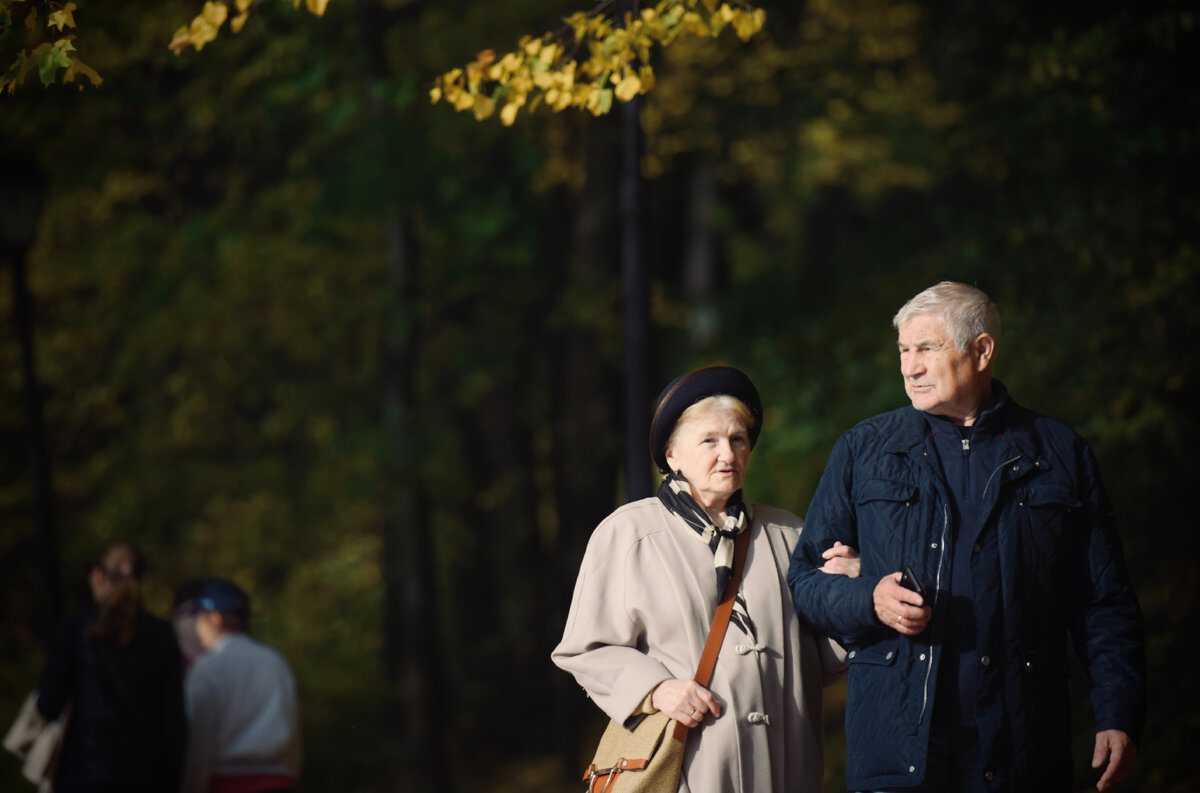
[[676, 494]]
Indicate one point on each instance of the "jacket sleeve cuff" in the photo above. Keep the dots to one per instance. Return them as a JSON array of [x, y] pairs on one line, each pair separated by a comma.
[[1114, 710], [633, 687], [860, 602]]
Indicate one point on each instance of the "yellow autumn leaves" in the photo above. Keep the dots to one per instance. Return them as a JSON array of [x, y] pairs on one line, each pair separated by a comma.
[[205, 27], [55, 54], [590, 63]]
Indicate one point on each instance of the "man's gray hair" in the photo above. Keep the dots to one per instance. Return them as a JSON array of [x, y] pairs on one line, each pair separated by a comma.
[[965, 310]]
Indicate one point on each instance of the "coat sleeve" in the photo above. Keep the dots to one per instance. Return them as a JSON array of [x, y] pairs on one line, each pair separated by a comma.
[[603, 642], [171, 717], [57, 683], [834, 605], [1106, 621]]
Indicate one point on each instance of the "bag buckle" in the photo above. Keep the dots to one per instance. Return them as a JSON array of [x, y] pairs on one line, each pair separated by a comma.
[[610, 775]]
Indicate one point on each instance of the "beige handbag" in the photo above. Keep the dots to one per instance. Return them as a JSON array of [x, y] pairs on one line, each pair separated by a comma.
[[648, 758], [37, 742], [645, 758]]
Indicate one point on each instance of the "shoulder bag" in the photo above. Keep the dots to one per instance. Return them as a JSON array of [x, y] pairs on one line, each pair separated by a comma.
[[648, 758], [37, 742]]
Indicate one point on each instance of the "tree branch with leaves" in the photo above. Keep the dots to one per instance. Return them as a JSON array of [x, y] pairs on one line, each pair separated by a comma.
[[206, 26], [590, 62], [49, 50]]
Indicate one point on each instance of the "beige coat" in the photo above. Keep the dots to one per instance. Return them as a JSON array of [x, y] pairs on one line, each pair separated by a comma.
[[642, 607]]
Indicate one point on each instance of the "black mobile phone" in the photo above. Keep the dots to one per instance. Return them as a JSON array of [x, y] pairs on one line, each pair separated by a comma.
[[909, 580]]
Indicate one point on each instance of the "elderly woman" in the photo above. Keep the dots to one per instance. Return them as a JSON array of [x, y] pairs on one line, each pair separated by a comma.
[[652, 576]]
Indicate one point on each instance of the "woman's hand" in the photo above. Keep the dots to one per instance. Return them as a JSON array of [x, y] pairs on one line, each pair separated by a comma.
[[686, 701], [841, 560]]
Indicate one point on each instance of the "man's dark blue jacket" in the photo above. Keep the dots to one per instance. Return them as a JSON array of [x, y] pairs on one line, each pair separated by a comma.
[[1060, 568]]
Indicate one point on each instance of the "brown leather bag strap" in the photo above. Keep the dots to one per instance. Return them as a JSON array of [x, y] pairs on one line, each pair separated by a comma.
[[716, 633]]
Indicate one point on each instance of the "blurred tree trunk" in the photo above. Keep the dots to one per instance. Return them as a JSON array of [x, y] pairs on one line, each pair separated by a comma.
[[586, 398], [411, 634], [411, 644], [20, 205], [637, 300], [699, 258]]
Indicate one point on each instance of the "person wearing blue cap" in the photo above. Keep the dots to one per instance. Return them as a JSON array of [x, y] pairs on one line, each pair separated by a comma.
[[243, 712], [649, 584]]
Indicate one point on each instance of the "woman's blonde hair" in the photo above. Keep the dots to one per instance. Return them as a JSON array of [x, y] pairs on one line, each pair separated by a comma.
[[709, 404]]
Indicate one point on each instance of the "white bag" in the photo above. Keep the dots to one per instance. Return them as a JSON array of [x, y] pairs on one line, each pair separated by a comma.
[[37, 742]]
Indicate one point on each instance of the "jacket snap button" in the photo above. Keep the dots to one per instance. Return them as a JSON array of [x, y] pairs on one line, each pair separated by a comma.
[[922, 656], [852, 653], [912, 768], [985, 660], [890, 654], [989, 776], [933, 546]]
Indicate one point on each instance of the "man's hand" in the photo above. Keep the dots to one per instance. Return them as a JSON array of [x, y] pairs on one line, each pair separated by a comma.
[[1119, 750], [841, 560], [900, 608]]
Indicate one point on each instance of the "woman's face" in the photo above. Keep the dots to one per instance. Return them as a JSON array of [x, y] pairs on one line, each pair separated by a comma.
[[711, 450]]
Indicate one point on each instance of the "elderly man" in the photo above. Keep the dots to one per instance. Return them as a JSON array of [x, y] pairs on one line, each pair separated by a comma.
[[986, 538]]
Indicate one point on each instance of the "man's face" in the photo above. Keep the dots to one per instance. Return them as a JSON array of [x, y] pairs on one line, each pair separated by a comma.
[[938, 377], [208, 628]]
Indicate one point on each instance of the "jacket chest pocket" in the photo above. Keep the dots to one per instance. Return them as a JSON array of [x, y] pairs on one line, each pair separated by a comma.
[[1046, 513], [885, 511]]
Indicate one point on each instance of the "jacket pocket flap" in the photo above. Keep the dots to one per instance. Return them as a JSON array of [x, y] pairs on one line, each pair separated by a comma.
[[882, 654], [1052, 496], [884, 490]]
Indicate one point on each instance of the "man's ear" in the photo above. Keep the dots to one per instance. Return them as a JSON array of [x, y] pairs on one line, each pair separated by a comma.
[[985, 349]]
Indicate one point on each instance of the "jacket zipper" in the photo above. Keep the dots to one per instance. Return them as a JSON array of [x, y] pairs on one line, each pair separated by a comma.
[[938, 579], [993, 476], [937, 588]]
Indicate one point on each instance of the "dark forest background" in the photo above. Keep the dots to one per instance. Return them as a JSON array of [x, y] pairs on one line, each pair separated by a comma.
[[296, 326]]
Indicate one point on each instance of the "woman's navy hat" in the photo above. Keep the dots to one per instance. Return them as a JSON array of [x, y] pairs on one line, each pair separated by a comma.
[[686, 390]]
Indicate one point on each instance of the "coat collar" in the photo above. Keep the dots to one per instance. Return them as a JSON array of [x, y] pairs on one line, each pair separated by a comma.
[[1010, 421]]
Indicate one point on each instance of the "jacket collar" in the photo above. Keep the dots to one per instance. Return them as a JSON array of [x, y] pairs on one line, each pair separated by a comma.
[[1005, 418]]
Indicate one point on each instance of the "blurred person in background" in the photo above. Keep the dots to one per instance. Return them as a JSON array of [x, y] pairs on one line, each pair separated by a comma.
[[243, 713], [119, 669], [650, 581], [183, 618]]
